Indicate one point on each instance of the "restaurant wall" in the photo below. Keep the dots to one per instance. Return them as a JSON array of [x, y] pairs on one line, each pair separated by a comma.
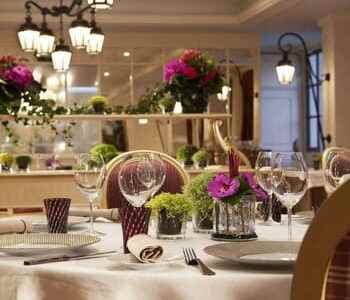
[[336, 49], [151, 51]]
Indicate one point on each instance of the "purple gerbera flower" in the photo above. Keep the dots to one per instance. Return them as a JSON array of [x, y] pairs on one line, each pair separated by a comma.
[[250, 180], [222, 186]]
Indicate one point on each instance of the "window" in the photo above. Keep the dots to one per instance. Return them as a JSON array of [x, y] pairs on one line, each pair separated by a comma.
[[314, 104]]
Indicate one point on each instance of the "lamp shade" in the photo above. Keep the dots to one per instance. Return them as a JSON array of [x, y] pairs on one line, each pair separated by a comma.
[[95, 43], [79, 33], [28, 35], [100, 4], [61, 58], [285, 71], [46, 42]]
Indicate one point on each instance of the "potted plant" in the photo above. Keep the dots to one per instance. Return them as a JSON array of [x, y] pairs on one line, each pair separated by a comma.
[[197, 192], [184, 154], [23, 162], [6, 161], [98, 103], [200, 158], [234, 197], [106, 151], [167, 103], [191, 78], [171, 211]]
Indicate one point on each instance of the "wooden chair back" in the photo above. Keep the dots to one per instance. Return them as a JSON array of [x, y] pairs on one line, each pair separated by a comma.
[[325, 237]]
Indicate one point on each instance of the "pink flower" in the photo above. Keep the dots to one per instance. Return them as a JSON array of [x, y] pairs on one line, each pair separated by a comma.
[[250, 180], [190, 54], [210, 76], [222, 186], [20, 75], [189, 72]]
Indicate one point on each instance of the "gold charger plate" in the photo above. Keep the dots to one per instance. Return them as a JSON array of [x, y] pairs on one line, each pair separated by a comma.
[[30, 243]]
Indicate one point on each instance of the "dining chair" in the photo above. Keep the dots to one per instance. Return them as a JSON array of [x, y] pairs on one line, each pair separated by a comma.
[[135, 219], [322, 269]]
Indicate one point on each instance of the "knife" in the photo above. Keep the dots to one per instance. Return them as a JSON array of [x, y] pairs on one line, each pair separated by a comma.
[[52, 259]]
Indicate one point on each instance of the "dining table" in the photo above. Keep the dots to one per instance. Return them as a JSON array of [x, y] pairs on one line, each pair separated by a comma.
[[104, 278]]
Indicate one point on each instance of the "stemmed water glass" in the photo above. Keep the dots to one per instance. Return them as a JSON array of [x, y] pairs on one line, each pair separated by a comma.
[[290, 181], [339, 167], [140, 178], [89, 176], [263, 171]]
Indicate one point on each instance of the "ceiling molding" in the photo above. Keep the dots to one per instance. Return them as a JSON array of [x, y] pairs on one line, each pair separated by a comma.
[[255, 11]]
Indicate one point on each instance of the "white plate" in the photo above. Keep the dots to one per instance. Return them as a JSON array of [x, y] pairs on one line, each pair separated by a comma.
[[34, 243], [131, 262], [39, 222], [266, 253]]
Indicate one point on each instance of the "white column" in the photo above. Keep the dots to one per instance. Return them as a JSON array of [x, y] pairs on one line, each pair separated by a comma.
[[336, 92]]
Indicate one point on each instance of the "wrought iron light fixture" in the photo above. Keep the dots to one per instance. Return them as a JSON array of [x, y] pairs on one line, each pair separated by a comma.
[[100, 4], [82, 34], [285, 71]]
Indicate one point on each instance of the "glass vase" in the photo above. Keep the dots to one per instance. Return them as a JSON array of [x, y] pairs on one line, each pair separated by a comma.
[[235, 222], [170, 228], [202, 223]]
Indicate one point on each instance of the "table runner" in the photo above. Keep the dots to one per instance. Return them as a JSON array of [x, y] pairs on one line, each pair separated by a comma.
[[101, 279]]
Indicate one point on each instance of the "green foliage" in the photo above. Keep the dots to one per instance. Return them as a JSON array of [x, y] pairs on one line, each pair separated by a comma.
[[201, 156], [197, 192], [185, 153], [107, 151], [174, 205], [98, 100], [167, 102], [6, 159], [23, 161]]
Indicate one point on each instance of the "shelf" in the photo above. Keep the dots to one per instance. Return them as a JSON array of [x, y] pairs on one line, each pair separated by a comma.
[[121, 117]]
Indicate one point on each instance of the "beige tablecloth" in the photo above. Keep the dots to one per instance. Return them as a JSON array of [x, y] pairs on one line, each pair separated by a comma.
[[102, 279]]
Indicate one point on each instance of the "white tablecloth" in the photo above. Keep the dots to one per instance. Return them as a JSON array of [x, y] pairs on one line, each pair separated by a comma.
[[102, 279]]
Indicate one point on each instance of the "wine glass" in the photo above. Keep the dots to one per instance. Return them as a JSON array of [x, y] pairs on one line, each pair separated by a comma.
[[89, 175], [339, 167], [136, 180], [159, 172], [290, 181], [331, 181], [263, 171]]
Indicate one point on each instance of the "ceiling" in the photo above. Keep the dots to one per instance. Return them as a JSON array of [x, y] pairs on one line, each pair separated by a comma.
[[208, 15]]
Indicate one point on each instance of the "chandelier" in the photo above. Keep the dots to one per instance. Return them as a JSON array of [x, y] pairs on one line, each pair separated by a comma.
[[83, 34]]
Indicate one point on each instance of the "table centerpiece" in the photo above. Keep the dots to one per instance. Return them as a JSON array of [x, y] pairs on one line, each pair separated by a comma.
[[234, 197]]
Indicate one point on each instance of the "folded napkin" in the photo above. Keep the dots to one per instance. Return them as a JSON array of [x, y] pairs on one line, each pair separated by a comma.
[[15, 225], [110, 214], [145, 248]]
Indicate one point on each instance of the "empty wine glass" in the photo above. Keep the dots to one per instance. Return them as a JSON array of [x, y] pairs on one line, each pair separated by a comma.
[[330, 184], [263, 171], [136, 180], [159, 172], [89, 176], [290, 181], [339, 167]]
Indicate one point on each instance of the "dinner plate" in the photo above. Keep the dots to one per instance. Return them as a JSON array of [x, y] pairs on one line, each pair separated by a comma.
[[131, 262], [39, 222], [34, 243], [258, 253]]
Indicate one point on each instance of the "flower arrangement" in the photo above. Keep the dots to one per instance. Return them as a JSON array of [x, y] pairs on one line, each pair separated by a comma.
[[16, 85], [192, 78], [230, 189]]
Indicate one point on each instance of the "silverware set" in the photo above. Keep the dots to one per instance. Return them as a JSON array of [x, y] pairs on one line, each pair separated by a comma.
[[192, 260]]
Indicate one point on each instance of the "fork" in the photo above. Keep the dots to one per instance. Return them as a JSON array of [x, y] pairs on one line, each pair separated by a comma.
[[192, 260]]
